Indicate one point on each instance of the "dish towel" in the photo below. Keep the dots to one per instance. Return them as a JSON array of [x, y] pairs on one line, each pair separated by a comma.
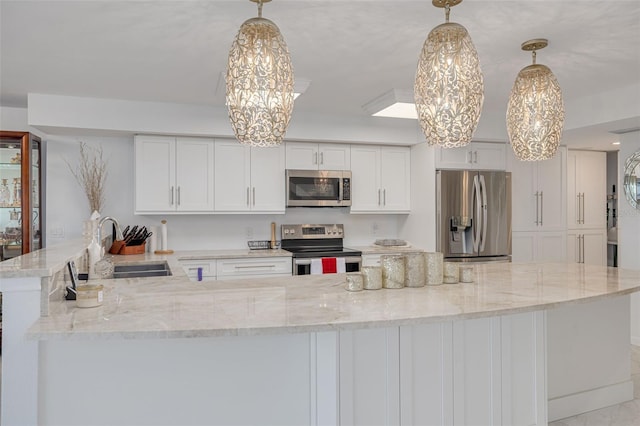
[[341, 265], [329, 265], [316, 266]]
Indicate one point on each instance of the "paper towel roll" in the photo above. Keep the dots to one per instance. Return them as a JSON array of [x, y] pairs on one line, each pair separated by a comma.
[[164, 242]]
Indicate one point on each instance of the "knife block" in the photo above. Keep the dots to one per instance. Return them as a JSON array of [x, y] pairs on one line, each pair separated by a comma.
[[120, 247]]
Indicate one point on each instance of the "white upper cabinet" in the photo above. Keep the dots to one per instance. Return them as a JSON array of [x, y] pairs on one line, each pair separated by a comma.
[[314, 156], [173, 174], [538, 193], [475, 156], [249, 179], [381, 179], [587, 186]]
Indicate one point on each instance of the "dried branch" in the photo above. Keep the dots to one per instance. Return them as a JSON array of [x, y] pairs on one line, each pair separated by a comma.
[[91, 175]]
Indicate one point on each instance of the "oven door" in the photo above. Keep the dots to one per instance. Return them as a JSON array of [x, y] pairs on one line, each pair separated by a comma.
[[303, 266], [317, 188]]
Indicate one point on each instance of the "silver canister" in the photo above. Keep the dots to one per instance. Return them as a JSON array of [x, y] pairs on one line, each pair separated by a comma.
[[451, 272], [466, 274], [414, 270], [372, 277], [354, 281], [433, 263], [392, 271]]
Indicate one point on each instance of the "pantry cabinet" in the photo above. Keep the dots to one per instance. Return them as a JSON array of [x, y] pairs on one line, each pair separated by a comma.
[[539, 193], [587, 191], [249, 180], [173, 174], [381, 179], [475, 156], [314, 156], [587, 246], [537, 246]]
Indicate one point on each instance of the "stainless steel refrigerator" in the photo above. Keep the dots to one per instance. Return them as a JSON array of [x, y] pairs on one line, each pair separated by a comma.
[[473, 215]]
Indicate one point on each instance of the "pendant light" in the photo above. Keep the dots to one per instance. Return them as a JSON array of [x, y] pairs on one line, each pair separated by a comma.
[[449, 88], [535, 113], [259, 81]]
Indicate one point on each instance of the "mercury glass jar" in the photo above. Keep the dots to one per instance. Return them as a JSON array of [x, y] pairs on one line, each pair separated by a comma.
[[354, 281], [433, 263], [372, 276], [466, 274], [414, 270], [392, 271], [451, 272]]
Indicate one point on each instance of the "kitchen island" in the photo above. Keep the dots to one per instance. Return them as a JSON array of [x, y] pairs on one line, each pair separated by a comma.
[[302, 350]]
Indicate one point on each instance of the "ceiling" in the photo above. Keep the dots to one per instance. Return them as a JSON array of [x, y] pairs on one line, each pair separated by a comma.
[[351, 50]]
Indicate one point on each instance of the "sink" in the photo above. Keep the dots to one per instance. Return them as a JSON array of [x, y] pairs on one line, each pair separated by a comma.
[[138, 270]]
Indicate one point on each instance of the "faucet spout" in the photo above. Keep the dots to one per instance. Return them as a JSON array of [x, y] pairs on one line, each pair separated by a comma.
[[119, 235]]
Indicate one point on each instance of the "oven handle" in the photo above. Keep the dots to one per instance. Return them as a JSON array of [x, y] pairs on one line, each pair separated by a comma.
[[347, 259]]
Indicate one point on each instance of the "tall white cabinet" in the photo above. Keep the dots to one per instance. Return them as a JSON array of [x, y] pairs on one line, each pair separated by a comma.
[[539, 214], [381, 179], [586, 207], [173, 174], [249, 180]]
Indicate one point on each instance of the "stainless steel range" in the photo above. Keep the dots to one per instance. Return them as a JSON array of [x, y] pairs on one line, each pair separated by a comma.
[[308, 243]]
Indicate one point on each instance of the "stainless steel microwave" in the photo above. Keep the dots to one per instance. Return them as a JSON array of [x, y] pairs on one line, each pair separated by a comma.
[[318, 188]]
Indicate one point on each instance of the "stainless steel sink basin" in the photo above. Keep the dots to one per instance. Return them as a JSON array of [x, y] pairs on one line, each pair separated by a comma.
[[137, 270]]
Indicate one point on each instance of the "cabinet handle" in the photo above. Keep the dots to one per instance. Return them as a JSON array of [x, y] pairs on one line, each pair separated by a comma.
[[254, 195], [582, 248], [254, 266], [384, 197], [379, 196], [537, 222], [171, 196], [322, 158], [583, 216], [178, 195], [541, 207], [315, 158], [247, 195], [475, 157]]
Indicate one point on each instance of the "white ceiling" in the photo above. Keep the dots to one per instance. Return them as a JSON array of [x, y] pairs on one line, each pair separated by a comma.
[[351, 50]]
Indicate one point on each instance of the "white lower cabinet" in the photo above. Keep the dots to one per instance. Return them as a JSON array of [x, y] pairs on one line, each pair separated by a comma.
[[587, 246], [208, 268], [539, 246], [228, 269], [472, 372]]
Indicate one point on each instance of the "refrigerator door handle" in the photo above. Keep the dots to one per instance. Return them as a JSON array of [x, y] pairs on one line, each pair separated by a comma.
[[477, 225], [483, 190]]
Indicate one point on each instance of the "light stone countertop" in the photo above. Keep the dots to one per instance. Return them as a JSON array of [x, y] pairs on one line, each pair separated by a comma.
[[174, 307], [374, 249]]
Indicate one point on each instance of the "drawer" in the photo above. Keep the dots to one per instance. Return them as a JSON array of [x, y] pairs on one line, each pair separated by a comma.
[[253, 267], [191, 269]]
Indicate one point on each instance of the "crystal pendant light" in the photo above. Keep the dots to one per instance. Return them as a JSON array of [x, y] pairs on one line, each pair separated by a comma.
[[259, 81], [449, 88], [535, 113]]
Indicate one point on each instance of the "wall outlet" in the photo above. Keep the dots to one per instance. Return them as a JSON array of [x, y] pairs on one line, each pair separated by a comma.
[[249, 232], [56, 232], [375, 228]]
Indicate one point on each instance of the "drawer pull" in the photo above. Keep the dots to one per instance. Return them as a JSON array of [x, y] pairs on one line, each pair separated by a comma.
[[254, 266]]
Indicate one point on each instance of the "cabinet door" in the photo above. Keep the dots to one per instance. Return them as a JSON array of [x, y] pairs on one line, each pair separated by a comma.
[[594, 248], [194, 174], [454, 158], [366, 192], [551, 246], [155, 174], [334, 156], [523, 246], [232, 179], [573, 196], [268, 179], [488, 156], [302, 156], [395, 176], [574, 247], [593, 184], [524, 195], [552, 195]]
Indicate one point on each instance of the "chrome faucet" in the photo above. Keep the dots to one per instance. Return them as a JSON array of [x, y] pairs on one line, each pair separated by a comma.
[[119, 235]]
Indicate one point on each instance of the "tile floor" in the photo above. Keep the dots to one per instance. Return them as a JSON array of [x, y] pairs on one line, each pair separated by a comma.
[[626, 414]]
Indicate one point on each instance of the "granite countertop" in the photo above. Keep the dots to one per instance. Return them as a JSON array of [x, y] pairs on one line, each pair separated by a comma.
[[174, 307]]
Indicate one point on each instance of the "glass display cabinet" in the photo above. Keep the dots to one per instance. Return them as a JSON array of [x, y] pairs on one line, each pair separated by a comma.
[[20, 194]]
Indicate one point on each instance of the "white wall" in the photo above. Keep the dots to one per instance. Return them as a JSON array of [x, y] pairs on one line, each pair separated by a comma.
[[629, 228]]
